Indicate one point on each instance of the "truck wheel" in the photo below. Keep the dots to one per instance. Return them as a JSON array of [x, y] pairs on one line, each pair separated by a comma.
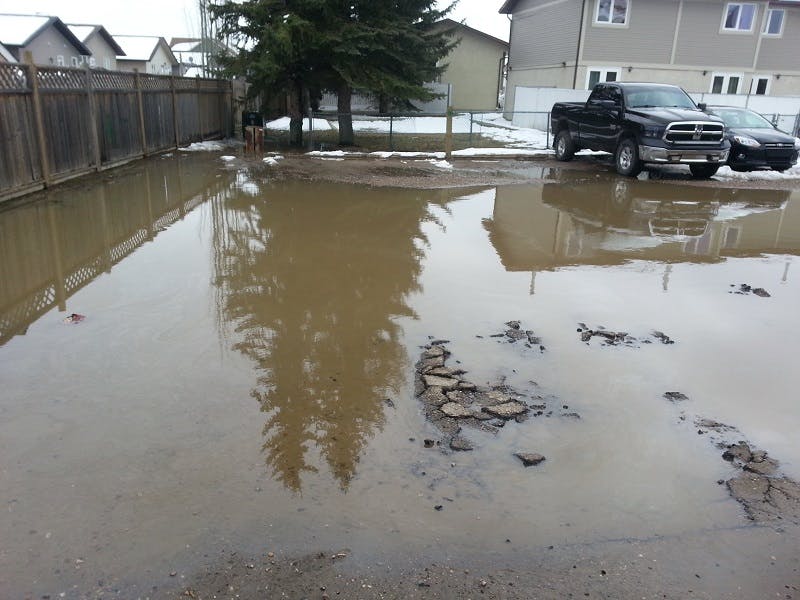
[[565, 147], [627, 158], [703, 171]]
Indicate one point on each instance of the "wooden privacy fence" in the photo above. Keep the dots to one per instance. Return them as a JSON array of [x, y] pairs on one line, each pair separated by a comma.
[[57, 123]]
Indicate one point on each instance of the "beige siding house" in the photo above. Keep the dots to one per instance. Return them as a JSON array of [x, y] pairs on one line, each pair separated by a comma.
[[711, 46], [104, 50], [146, 54], [474, 67], [48, 40]]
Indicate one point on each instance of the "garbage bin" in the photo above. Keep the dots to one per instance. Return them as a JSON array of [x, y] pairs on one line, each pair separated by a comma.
[[251, 119]]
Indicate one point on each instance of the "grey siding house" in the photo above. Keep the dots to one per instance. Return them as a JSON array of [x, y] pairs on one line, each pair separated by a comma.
[[48, 40], [711, 46], [104, 50]]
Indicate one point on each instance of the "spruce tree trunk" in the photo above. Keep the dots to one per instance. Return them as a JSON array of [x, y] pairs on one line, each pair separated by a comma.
[[383, 104], [346, 137], [295, 110]]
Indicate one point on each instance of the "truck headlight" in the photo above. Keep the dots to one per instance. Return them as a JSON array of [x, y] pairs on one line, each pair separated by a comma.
[[797, 143], [653, 131], [746, 140]]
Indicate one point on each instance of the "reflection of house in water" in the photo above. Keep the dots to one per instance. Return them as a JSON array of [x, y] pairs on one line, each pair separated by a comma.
[[545, 226], [311, 280], [52, 248]]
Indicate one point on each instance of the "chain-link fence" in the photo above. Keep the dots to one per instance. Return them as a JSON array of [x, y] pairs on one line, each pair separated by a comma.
[[473, 132], [418, 132]]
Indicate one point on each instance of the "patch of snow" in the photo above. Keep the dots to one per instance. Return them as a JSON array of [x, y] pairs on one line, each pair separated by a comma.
[[728, 173], [441, 164], [335, 153], [210, 146], [272, 160], [501, 152], [282, 124], [227, 158]]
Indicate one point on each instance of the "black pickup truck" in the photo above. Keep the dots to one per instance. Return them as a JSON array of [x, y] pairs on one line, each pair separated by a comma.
[[641, 123]]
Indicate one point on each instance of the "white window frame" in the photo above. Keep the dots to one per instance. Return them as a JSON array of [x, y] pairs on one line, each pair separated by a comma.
[[604, 71], [597, 23], [60, 60], [754, 84], [724, 29], [726, 77], [768, 18]]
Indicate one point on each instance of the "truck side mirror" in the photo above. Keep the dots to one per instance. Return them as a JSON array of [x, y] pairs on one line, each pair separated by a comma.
[[702, 106]]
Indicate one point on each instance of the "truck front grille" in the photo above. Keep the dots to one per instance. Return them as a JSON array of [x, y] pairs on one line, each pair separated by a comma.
[[691, 132]]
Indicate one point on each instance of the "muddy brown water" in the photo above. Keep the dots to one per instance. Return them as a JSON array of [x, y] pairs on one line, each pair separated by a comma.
[[243, 378]]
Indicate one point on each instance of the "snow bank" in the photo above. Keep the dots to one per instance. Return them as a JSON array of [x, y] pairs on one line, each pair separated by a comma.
[[726, 173], [210, 146]]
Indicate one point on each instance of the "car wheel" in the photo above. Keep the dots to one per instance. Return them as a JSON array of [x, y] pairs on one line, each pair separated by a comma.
[[782, 168], [565, 147], [627, 158], [703, 171]]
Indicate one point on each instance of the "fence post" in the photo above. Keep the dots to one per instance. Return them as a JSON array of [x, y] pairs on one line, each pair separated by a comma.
[[391, 133], [547, 129], [199, 109], [470, 128], [138, 80], [448, 135], [174, 111], [91, 102], [33, 79]]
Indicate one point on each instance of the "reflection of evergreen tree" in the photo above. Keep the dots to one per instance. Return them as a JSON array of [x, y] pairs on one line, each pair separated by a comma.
[[310, 280]]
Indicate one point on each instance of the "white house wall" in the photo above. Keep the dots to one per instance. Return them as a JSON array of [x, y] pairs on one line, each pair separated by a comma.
[[160, 63]]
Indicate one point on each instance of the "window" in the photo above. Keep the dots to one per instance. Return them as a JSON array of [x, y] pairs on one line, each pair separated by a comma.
[[60, 60], [739, 16], [773, 24], [75, 61], [612, 12], [726, 83], [760, 85], [107, 63], [600, 74]]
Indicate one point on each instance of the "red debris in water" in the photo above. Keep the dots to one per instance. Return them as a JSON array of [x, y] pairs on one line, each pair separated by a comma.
[[74, 318]]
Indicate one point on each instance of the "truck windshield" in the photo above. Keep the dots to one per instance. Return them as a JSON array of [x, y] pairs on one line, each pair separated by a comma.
[[667, 97]]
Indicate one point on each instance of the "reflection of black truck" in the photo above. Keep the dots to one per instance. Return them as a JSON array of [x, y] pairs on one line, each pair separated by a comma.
[[641, 123]]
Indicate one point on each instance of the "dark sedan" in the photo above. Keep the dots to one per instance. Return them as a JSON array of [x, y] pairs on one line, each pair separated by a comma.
[[755, 142]]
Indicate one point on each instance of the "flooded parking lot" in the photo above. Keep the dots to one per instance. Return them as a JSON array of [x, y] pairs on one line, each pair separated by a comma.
[[244, 377]]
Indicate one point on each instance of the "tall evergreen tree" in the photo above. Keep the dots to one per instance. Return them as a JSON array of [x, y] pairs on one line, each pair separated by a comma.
[[388, 47]]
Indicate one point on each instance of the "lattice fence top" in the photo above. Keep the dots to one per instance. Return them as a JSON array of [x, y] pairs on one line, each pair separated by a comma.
[[155, 82], [13, 78], [112, 80], [60, 78], [185, 83]]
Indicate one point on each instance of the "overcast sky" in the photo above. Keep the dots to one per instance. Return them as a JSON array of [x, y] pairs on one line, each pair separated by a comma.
[[178, 18]]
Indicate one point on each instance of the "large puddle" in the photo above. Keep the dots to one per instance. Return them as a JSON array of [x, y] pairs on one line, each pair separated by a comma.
[[244, 376]]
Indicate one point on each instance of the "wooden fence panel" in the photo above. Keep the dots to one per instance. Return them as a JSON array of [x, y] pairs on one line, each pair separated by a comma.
[[19, 162], [118, 126], [64, 122], [65, 113]]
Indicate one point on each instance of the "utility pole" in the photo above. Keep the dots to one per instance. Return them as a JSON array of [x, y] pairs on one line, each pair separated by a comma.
[[205, 33]]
